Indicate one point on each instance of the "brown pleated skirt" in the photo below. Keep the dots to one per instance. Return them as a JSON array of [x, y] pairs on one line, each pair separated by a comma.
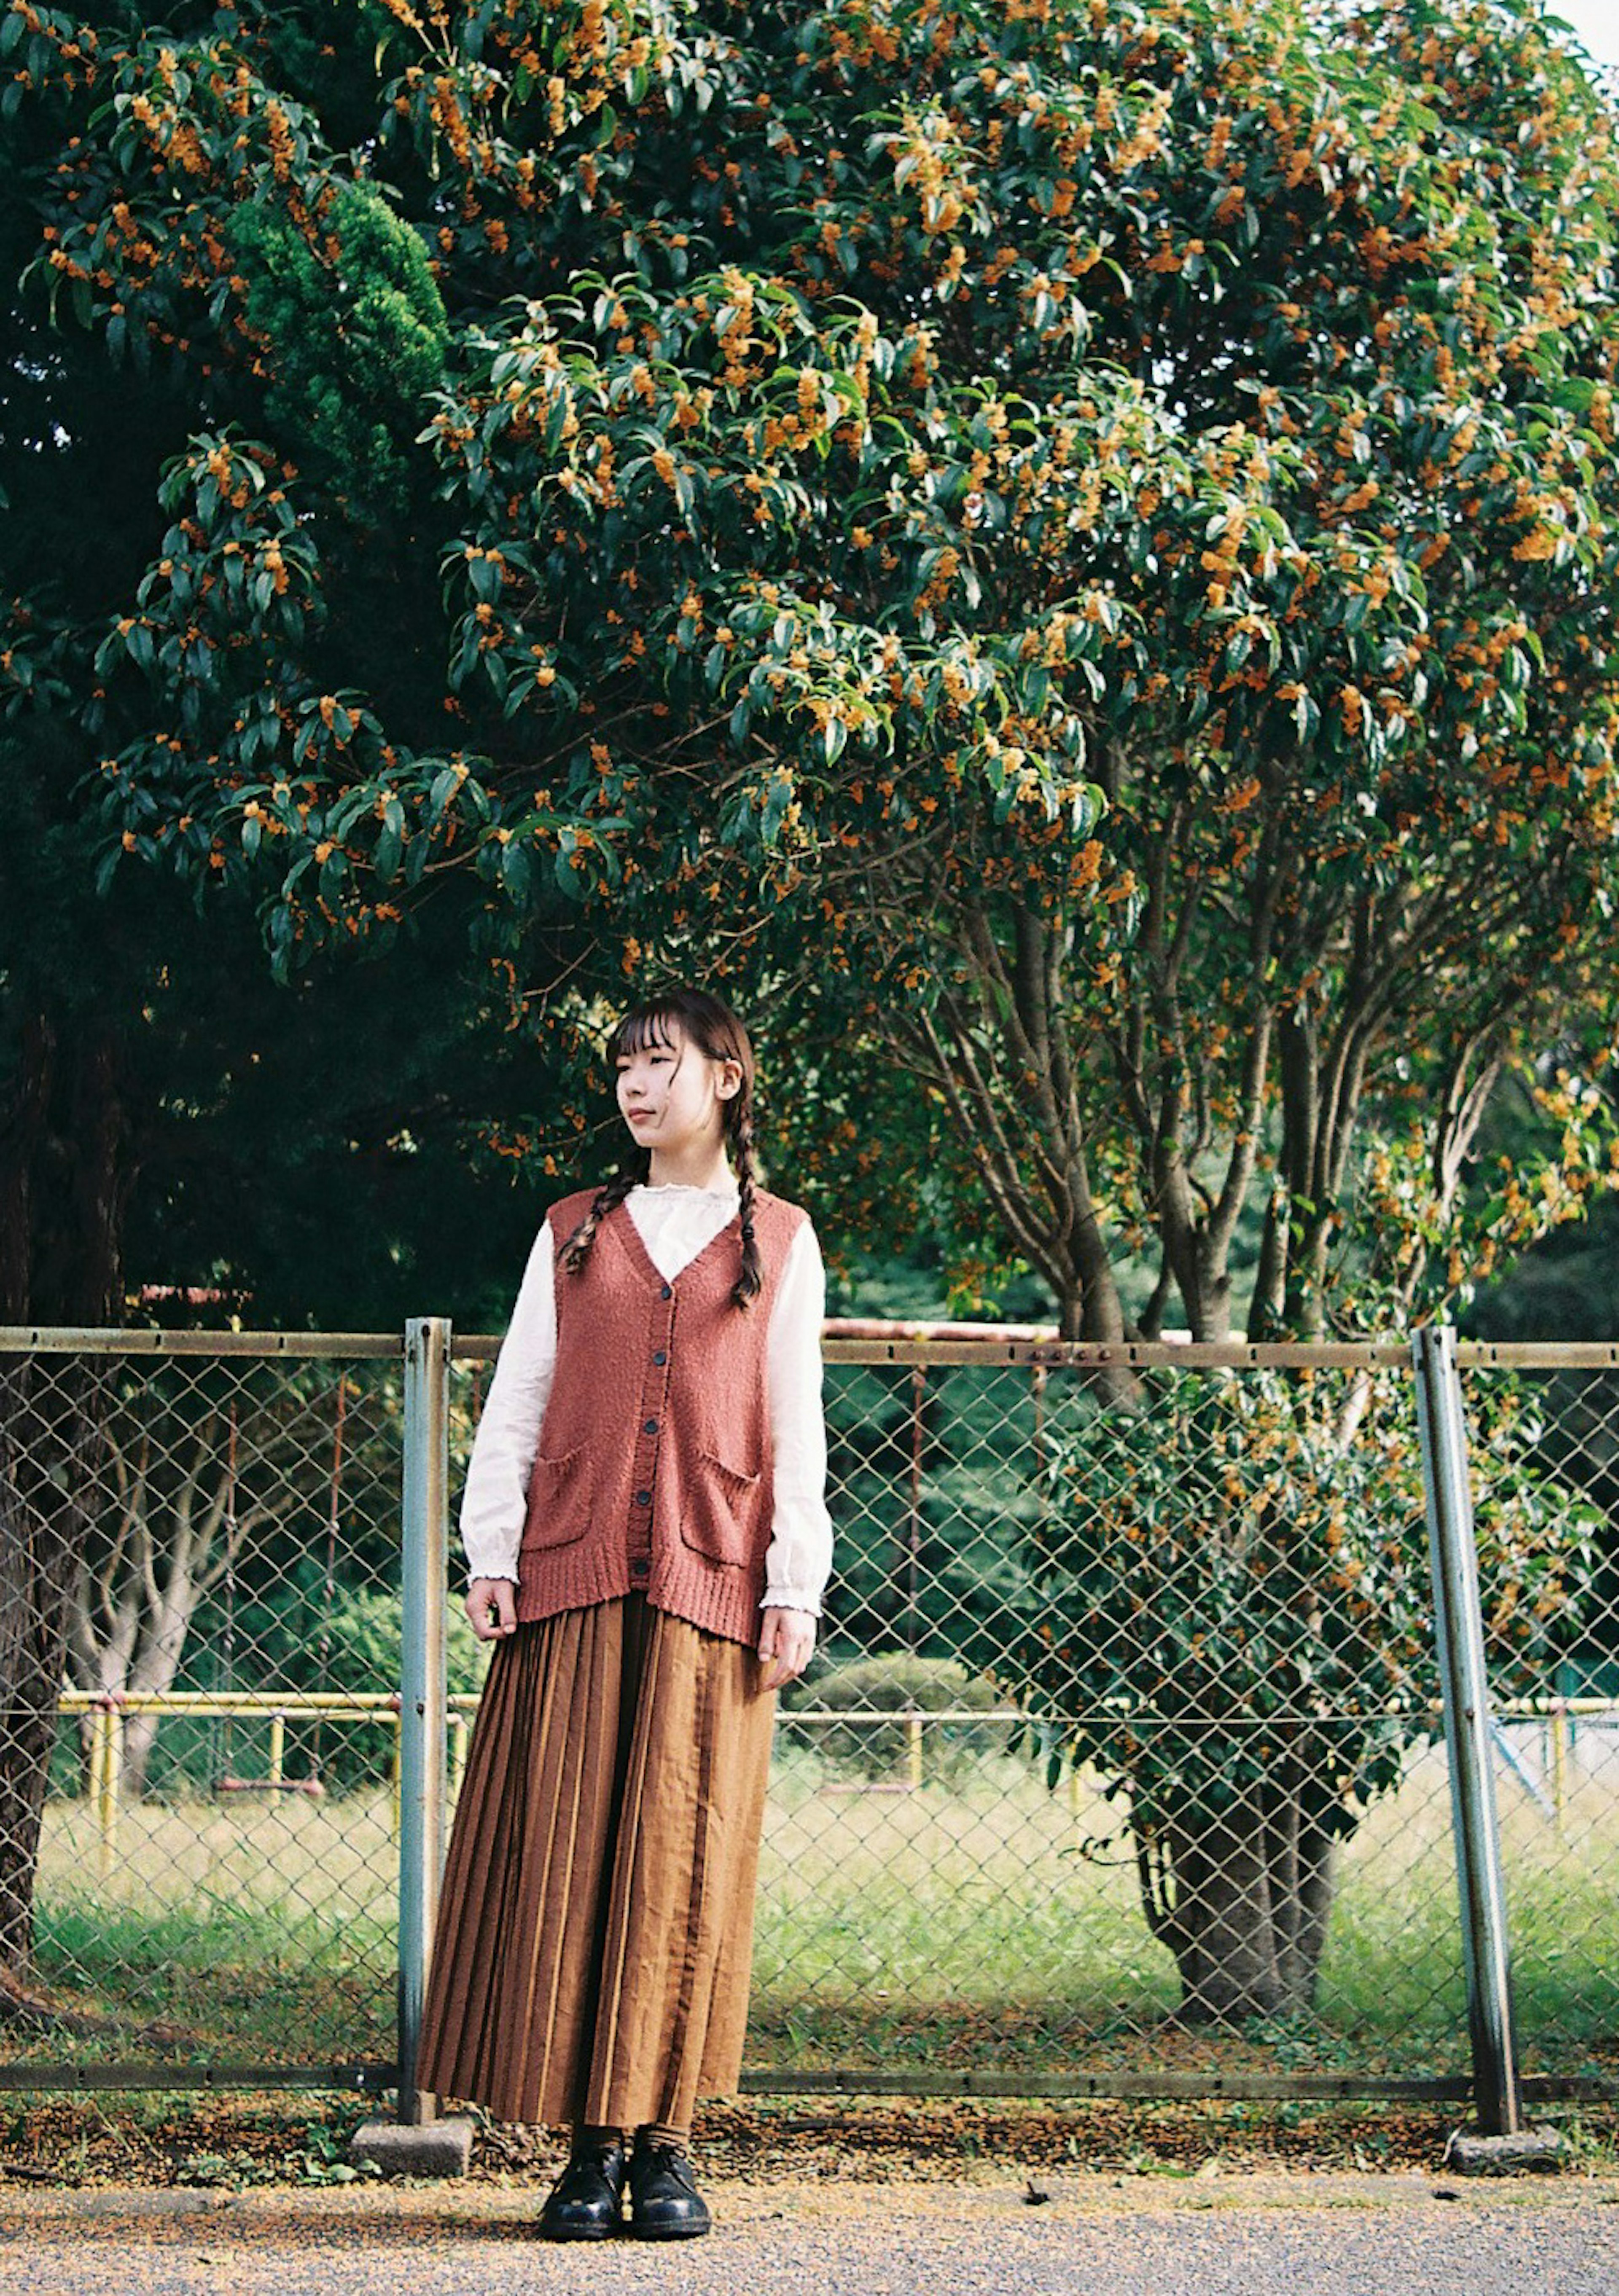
[[596, 1925]]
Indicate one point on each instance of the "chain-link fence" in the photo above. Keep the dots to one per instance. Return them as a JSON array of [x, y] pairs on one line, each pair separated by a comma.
[[1120, 1756], [1557, 1717], [1121, 1766], [199, 1534]]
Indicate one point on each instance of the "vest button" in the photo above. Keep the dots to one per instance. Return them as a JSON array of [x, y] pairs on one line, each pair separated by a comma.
[[660, 1358], [649, 1427], [667, 1292], [643, 1498]]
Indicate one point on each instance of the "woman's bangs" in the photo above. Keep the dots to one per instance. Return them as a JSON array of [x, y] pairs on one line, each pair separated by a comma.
[[650, 1028]]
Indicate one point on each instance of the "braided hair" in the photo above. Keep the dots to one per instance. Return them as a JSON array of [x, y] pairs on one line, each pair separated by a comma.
[[716, 1032]]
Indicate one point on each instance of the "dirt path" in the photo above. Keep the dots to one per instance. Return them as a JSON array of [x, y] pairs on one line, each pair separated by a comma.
[[1218, 2236]]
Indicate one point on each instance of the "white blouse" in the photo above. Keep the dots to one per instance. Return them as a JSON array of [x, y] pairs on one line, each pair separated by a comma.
[[675, 1223]]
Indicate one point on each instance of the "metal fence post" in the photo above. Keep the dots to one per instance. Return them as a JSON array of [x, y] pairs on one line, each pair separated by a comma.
[[1459, 1634], [425, 1543]]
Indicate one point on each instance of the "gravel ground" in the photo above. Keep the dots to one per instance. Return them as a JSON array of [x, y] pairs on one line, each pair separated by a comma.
[[1215, 2235]]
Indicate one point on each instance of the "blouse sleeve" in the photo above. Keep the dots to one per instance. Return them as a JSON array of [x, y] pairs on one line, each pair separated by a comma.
[[494, 1501], [799, 1558]]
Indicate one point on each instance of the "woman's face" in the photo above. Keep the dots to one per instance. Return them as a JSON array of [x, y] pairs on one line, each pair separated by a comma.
[[672, 1095]]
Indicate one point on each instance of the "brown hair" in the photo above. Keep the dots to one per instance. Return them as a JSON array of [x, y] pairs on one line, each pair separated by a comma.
[[719, 1035]]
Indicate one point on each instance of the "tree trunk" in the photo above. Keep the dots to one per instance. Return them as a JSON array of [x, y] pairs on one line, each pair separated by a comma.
[[1242, 1898], [1089, 1305], [48, 1439], [64, 1179], [1311, 1910], [140, 1737], [1270, 1276], [1299, 1855], [131, 1610], [1226, 1943]]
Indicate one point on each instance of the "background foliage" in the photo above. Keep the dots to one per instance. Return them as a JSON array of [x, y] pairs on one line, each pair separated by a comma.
[[1066, 554]]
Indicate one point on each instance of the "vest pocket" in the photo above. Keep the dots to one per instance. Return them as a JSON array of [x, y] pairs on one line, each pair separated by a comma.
[[559, 1502], [720, 1518]]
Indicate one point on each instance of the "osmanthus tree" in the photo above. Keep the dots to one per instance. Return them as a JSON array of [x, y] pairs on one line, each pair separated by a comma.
[[910, 437], [1234, 1629], [1072, 547]]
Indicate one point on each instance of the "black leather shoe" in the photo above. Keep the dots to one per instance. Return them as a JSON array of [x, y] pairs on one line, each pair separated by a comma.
[[584, 2202], [664, 2201]]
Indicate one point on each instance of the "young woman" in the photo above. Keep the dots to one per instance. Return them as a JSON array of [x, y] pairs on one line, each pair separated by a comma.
[[647, 1532]]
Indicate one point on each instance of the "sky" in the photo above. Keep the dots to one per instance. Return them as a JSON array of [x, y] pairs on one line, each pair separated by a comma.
[[1596, 23]]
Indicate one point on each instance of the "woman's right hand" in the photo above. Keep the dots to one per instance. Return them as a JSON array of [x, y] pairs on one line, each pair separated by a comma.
[[491, 1605]]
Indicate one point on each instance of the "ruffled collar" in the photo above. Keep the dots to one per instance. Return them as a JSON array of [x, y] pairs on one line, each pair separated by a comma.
[[685, 1188]]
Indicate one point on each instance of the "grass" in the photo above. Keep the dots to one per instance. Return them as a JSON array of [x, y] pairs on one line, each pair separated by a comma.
[[263, 1930], [978, 1922], [994, 1922]]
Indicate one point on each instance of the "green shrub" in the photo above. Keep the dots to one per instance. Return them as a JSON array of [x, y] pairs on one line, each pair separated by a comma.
[[901, 1684], [363, 1653]]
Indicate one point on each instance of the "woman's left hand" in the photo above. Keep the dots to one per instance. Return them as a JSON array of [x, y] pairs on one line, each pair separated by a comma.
[[786, 1641]]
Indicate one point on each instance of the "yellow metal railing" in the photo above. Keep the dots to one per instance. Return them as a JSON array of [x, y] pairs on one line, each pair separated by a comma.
[[107, 1713]]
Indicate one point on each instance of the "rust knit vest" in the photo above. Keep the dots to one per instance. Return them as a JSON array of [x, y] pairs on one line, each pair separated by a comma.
[[653, 1467]]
